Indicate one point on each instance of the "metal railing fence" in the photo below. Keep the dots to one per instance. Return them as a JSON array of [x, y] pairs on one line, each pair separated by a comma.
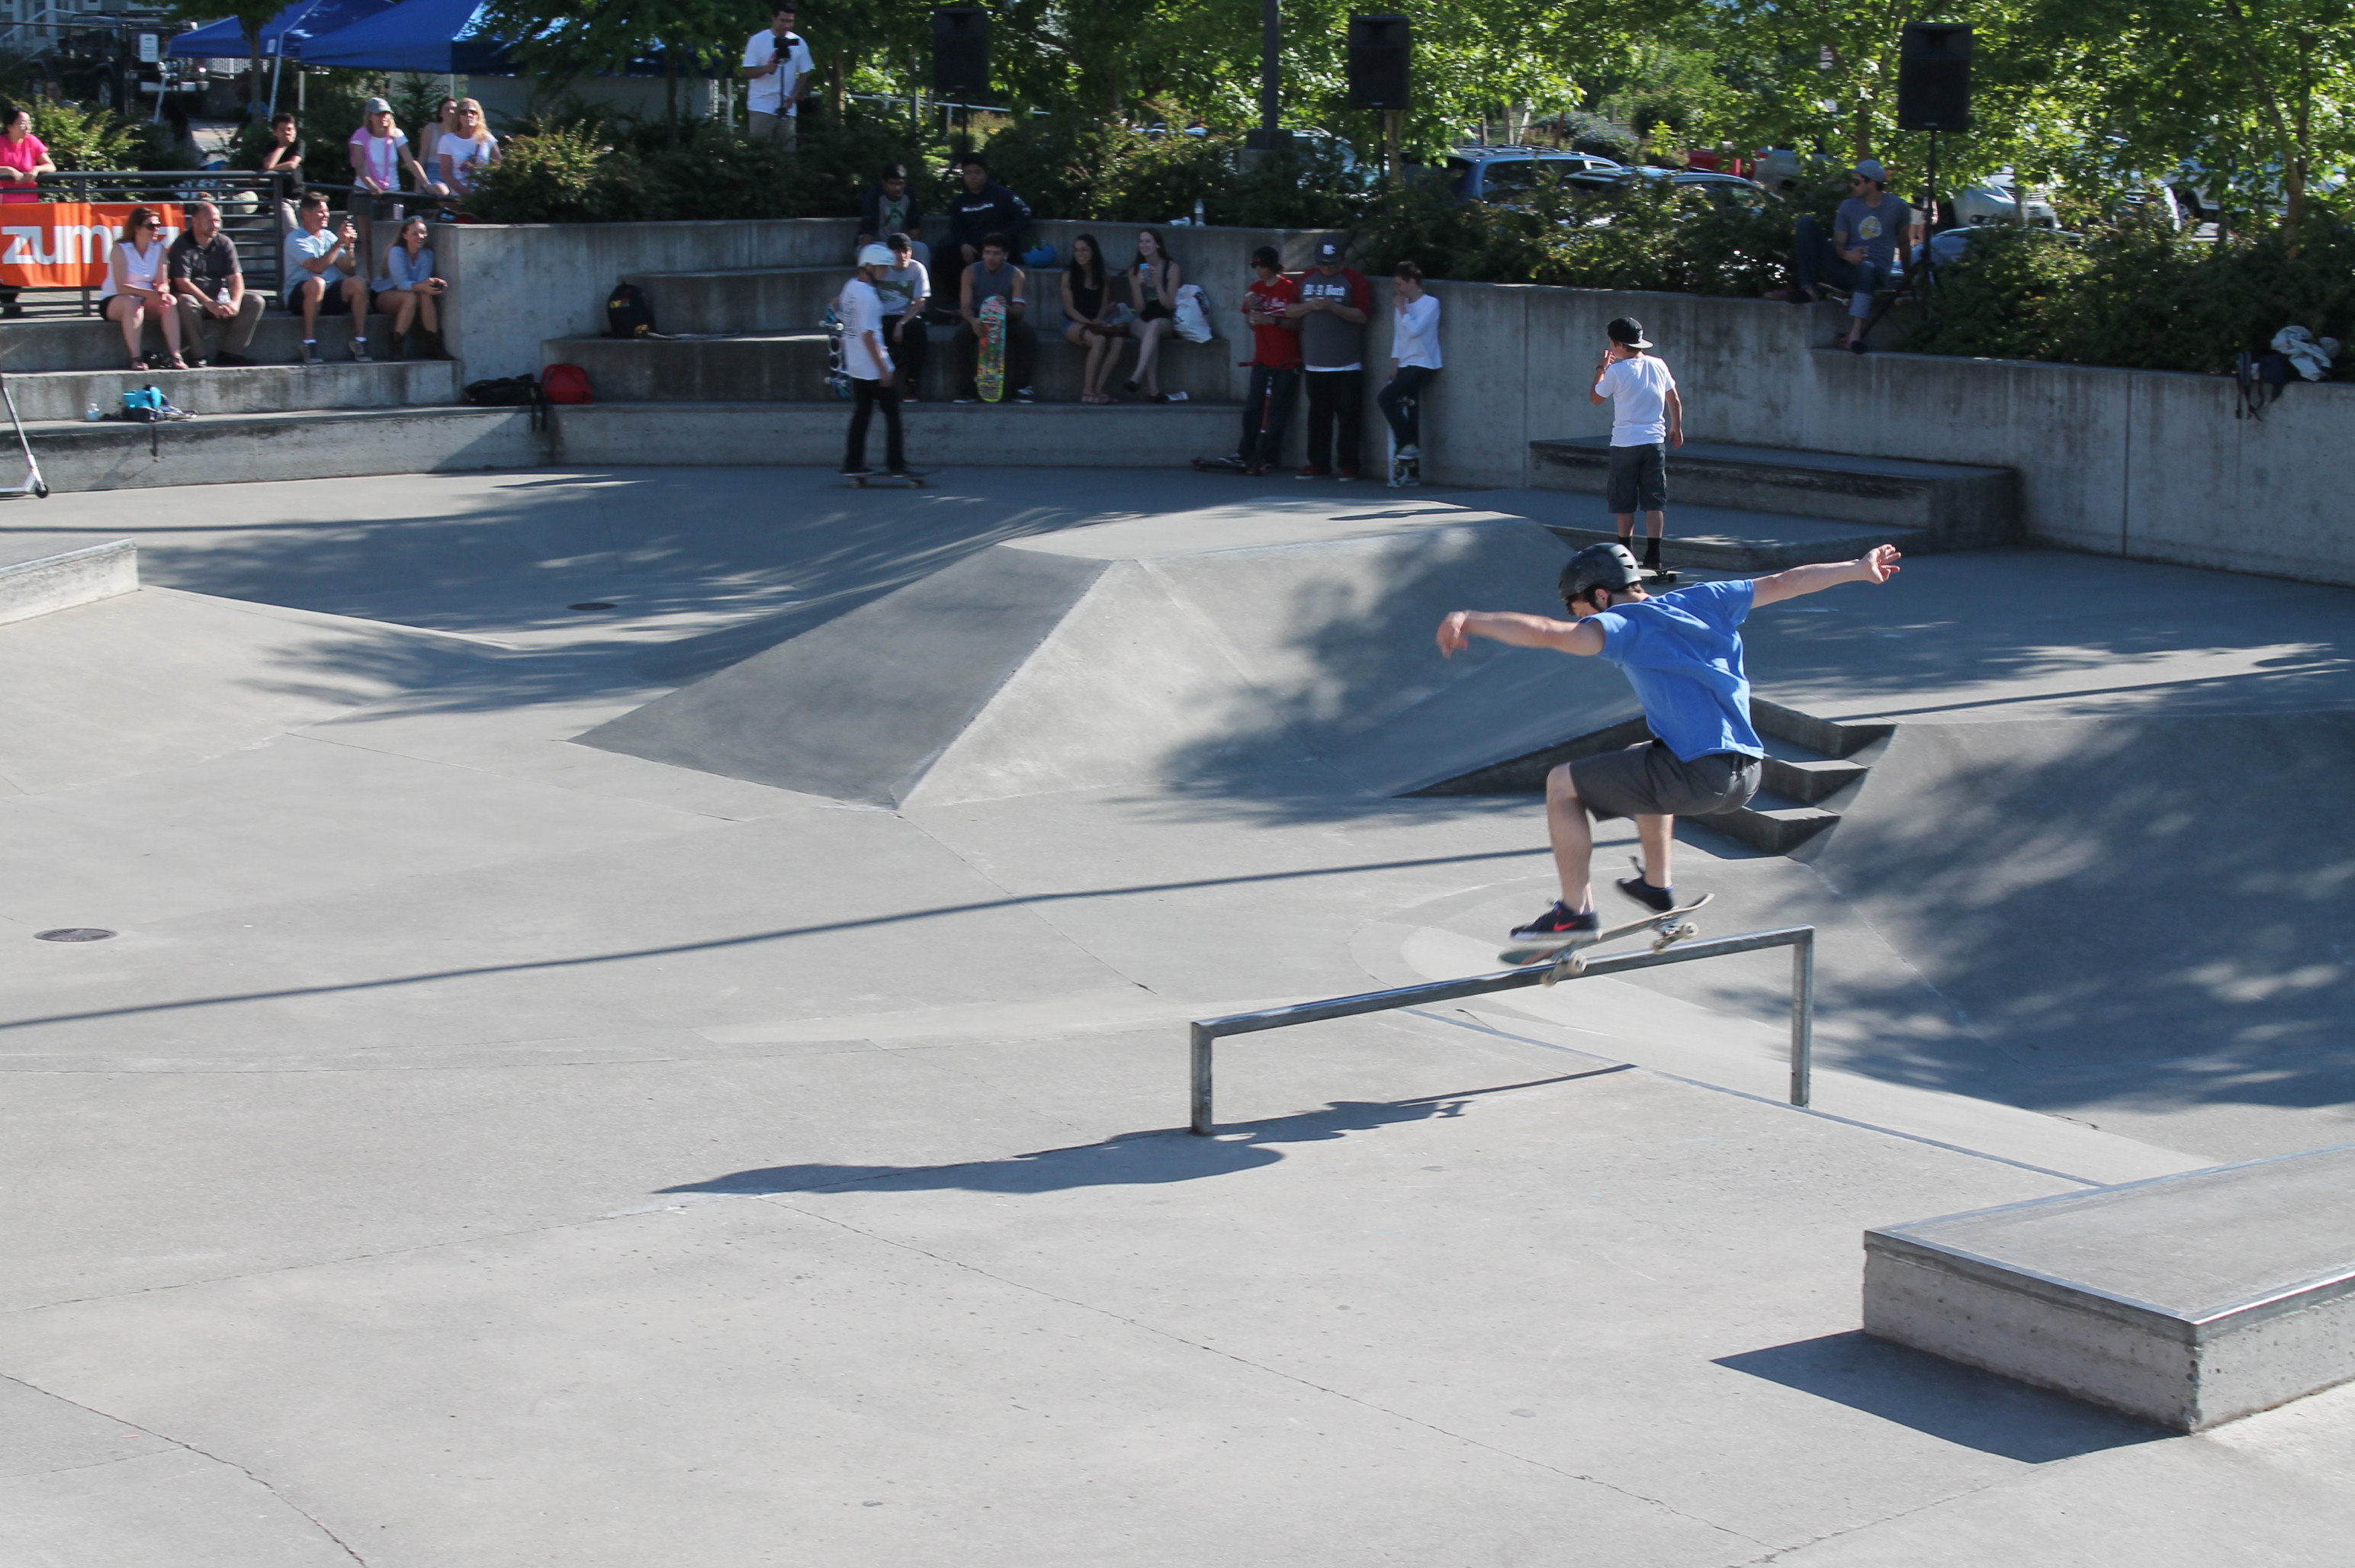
[[1800, 939], [249, 203]]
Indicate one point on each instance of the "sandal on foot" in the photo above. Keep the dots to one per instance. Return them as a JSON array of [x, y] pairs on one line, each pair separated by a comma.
[[139, 362]]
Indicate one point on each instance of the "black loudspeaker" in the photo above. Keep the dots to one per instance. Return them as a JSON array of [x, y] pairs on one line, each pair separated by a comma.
[[1378, 47], [1933, 77], [961, 53]]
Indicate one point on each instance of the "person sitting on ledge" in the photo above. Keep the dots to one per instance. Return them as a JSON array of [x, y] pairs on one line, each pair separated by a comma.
[[890, 207], [993, 277], [982, 207], [209, 288], [406, 290], [1862, 254], [323, 278]]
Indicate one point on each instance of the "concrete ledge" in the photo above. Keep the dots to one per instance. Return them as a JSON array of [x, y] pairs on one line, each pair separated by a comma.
[[28, 348], [968, 435], [1959, 507], [42, 572], [791, 367], [1796, 541], [2190, 1300], [236, 448], [752, 299], [244, 389]]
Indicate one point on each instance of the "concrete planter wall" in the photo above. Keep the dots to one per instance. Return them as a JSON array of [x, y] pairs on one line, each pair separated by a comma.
[[2143, 463]]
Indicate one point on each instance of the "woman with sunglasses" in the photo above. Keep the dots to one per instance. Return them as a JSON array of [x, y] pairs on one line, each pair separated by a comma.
[[134, 289]]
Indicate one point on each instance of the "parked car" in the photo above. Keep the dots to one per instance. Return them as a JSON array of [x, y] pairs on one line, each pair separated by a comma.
[[2000, 198], [1504, 175], [1723, 189]]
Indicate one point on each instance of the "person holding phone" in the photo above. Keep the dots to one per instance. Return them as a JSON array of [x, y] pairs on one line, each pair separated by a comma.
[[406, 290]]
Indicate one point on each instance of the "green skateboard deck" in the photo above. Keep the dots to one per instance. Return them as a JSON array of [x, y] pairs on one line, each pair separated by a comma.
[[991, 380]]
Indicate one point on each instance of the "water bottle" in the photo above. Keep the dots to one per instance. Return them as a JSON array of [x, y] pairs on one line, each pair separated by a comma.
[[91, 414], [1197, 212]]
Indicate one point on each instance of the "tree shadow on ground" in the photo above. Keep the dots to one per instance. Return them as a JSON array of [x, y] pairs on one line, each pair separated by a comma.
[[1952, 1403], [1127, 1159]]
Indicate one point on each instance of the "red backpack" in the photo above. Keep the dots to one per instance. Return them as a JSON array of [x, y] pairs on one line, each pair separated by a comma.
[[566, 384]]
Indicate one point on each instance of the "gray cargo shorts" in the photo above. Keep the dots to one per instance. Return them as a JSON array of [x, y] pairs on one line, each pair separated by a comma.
[[1637, 480], [1649, 780]]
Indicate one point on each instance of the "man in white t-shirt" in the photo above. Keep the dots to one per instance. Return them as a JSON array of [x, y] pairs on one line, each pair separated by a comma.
[[777, 63], [869, 364], [1646, 419]]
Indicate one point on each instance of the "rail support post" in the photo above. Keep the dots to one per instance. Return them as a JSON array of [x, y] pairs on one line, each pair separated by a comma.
[[1201, 1036], [1803, 1018]]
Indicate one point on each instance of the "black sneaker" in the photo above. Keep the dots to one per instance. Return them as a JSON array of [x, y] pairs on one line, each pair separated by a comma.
[[1659, 901], [1025, 395], [1557, 927]]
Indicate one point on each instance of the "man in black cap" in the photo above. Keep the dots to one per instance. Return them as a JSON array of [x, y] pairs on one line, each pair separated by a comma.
[[1682, 653], [1646, 419]]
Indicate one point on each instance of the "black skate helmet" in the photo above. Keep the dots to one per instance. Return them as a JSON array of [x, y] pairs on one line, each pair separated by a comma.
[[1599, 566]]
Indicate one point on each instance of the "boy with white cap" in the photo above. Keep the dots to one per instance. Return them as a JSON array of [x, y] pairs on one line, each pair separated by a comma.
[[869, 365], [1647, 417]]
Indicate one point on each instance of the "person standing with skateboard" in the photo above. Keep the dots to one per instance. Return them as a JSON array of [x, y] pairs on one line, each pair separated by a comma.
[[1647, 417], [869, 366], [1274, 365], [1682, 653]]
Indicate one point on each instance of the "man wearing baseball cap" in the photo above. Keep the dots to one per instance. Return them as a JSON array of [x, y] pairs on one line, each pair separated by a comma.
[[1647, 418], [1334, 303], [1869, 232], [869, 365]]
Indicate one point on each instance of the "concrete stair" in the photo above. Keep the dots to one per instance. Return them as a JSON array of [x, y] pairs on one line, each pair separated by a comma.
[[1947, 505], [791, 367], [939, 434], [250, 390], [761, 300], [1736, 540], [86, 343], [1810, 766], [308, 444]]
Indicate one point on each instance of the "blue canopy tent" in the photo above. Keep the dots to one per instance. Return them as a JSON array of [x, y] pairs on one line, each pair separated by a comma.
[[435, 37], [282, 34]]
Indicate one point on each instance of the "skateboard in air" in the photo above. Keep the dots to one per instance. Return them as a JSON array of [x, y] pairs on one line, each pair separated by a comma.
[[1668, 926], [912, 479], [837, 370], [990, 381]]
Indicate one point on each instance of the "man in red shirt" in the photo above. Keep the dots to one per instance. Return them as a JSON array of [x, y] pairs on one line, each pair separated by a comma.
[[1275, 362]]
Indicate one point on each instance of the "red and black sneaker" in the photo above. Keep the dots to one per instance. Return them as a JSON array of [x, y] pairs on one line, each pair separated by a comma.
[[1558, 927]]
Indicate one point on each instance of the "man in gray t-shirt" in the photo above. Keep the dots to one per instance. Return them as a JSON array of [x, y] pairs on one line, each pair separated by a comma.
[[1872, 234]]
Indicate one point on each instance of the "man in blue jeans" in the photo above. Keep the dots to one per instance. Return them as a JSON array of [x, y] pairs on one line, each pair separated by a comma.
[[1869, 232], [1682, 653]]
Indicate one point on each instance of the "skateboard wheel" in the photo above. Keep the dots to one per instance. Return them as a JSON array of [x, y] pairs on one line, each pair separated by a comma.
[[1688, 929]]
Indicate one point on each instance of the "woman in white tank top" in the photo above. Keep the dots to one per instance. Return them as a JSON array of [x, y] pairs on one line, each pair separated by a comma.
[[137, 288]]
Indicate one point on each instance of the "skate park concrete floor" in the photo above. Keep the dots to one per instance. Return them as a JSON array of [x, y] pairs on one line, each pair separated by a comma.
[[481, 1148]]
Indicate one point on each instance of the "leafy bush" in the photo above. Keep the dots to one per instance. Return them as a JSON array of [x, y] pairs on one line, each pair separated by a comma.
[[1078, 167], [2138, 295], [583, 173], [1648, 236], [553, 174], [1069, 165], [81, 138]]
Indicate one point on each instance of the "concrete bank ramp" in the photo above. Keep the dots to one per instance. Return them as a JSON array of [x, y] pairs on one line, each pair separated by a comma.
[[1170, 649]]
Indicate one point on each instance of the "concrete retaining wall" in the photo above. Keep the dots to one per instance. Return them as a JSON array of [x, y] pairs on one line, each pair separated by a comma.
[[2145, 463]]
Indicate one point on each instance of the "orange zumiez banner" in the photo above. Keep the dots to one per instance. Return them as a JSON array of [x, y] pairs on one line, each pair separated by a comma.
[[66, 244]]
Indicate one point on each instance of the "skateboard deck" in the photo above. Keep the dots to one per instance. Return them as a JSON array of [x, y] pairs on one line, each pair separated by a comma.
[[1406, 472], [837, 373], [912, 479], [990, 381], [1658, 574], [1669, 924], [1220, 465]]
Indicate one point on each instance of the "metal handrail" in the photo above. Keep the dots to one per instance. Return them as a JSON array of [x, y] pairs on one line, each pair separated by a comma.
[[1800, 939], [259, 235]]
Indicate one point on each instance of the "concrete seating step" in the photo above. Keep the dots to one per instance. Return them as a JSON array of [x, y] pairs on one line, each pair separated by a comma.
[[41, 573], [791, 367], [1825, 737], [1734, 538], [87, 343], [1771, 821], [248, 389], [763, 299], [1796, 772], [311, 443], [2188, 1300], [1957, 506], [939, 434]]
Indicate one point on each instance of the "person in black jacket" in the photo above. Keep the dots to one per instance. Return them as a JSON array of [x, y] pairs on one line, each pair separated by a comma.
[[982, 207], [890, 207]]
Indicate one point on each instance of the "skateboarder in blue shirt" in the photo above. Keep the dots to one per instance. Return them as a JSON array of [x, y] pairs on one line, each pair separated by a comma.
[[1682, 652]]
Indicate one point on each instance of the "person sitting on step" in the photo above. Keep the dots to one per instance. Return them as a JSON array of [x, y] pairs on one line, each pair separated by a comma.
[[323, 278], [209, 288], [993, 277], [406, 290]]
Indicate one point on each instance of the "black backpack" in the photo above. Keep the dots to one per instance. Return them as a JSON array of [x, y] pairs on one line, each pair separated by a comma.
[[627, 313], [504, 392]]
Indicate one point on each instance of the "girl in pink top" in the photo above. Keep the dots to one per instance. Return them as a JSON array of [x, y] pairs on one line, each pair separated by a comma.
[[23, 158]]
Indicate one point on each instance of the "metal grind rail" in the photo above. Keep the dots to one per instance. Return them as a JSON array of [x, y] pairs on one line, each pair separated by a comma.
[[1799, 939]]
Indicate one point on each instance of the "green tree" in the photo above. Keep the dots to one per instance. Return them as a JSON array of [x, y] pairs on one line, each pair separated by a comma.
[[566, 39]]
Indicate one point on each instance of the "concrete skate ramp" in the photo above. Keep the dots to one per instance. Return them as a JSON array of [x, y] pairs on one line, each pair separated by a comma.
[[1176, 648], [2157, 908]]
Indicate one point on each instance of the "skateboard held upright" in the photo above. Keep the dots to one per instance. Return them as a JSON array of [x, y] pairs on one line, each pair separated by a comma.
[[838, 368], [991, 379]]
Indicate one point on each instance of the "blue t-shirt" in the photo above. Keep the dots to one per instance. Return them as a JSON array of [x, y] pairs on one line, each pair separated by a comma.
[[1682, 653]]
